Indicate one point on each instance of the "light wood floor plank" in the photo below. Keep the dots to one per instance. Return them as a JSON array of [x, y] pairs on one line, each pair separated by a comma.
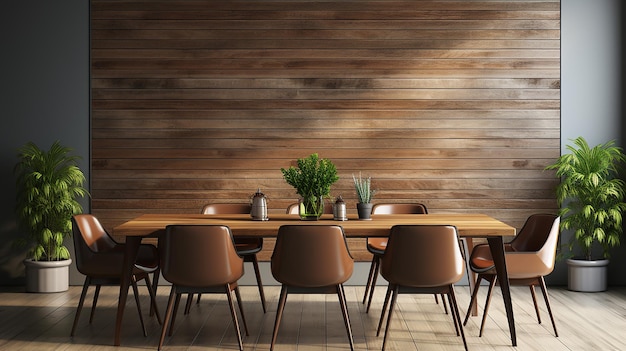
[[585, 321]]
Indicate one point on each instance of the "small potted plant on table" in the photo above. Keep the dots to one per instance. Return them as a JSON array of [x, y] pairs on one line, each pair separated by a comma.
[[312, 179], [364, 194]]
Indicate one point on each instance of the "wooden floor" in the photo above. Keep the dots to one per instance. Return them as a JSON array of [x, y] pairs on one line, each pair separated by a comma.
[[585, 321]]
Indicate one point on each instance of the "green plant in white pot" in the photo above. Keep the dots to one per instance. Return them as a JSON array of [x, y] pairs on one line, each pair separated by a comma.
[[591, 198], [312, 179], [48, 185]]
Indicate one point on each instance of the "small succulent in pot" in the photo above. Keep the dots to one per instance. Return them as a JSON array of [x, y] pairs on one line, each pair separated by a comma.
[[364, 192], [363, 187]]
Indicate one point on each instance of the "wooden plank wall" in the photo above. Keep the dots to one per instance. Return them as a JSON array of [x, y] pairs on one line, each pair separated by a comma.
[[455, 104]]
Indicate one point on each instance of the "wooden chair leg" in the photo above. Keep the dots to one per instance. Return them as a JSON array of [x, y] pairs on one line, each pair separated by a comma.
[[492, 282], [544, 291], [154, 310], [279, 314], [391, 306], [136, 293], [155, 286], [456, 325], [239, 303], [384, 309], [443, 302], [233, 314], [473, 299], [368, 285], [454, 307], [534, 296], [81, 301], [188, 303], [94, 303], [344, 311], [373, 283], [259, 282], [167, 317], [174, 313]]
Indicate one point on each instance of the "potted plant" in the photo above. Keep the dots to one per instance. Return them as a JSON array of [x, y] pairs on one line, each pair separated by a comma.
[[312, 179], [48, 184], [364, 193], [591, 198]]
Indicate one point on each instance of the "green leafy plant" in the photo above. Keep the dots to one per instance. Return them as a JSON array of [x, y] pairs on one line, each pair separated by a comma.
[[591, 195], [312, 179], [363, 187], [48, 186]]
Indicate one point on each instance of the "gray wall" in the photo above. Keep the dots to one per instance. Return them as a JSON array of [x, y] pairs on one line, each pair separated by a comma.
[[45, 93], [591, 88], [44, 97]]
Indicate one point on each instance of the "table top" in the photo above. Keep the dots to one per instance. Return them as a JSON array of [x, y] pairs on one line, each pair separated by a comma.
[[468, 225]]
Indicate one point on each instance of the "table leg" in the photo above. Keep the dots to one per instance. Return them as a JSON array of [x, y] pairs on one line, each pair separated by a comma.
[[130, 255], [471, 275], [496, 246]]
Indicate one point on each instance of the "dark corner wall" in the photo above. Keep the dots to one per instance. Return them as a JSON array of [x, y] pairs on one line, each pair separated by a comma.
[[44, 97], [622, 6]]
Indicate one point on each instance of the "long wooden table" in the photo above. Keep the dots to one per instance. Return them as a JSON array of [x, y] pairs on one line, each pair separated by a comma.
[[468, 225]]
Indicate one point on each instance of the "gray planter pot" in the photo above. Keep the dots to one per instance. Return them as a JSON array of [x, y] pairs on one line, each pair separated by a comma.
[[364, 210], [47, 276], [587, 276]]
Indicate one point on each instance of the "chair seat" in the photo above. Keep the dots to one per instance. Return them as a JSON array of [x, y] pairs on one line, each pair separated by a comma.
[[376, 246], [248, 246], [519, 265]]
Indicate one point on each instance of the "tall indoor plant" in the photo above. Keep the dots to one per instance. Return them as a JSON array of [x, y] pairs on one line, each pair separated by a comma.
[[591, 198], [312, 179], [48, 185]]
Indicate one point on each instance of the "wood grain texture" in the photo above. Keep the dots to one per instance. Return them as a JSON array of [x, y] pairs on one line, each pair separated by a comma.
[[313, 322], [454, 104]]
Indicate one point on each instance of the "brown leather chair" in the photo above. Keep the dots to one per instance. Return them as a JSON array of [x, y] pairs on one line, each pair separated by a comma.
[[311, 259], [294, 208], [422, 259], [376, 246], [101, 259], [246, 247], [529, 257], [200, 259]]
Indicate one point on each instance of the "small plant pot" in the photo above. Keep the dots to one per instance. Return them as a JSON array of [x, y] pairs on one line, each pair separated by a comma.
[[364, 210]]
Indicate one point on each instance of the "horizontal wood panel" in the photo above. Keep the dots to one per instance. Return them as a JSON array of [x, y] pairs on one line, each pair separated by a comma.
[[455, 104]]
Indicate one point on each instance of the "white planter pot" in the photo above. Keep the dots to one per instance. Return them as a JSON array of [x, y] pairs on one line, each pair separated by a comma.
[[47, 276], [587, 276]]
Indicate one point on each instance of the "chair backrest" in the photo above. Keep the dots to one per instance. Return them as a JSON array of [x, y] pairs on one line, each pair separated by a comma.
[[534, 233], [311, 256], [91, 240], [399, 208], [422, 256], [226, 208], [91, 233], [199, 255], [294, 208], [539, 237]]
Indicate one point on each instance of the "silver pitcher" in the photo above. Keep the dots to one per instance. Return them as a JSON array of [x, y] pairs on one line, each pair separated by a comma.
[[258, 212], [339, 210]]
